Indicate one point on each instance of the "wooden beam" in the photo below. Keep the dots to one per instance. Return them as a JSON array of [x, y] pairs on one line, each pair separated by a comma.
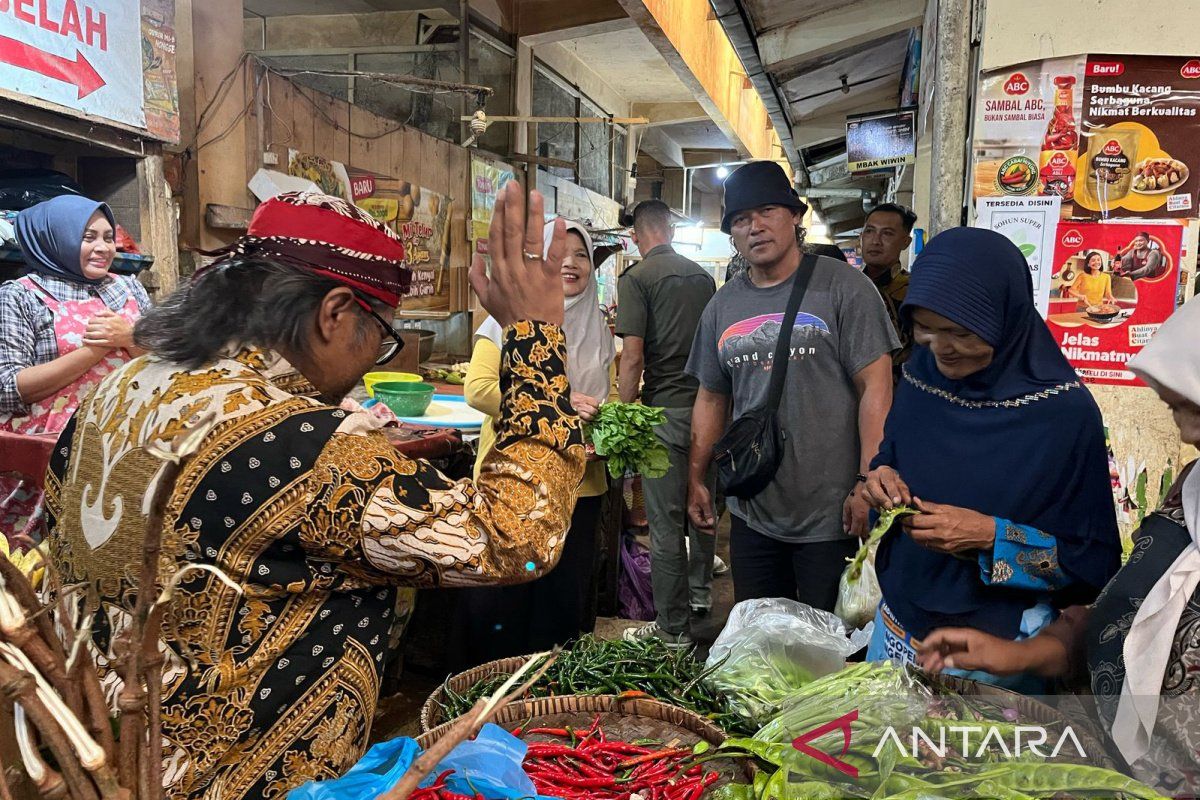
[[221, 151], [227, 218], [542, 161], [701, 55], [838, 30], [32, 113], [159, 233]]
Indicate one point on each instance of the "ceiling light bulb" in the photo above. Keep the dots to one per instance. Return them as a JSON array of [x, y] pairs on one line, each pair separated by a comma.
[[722, 172]]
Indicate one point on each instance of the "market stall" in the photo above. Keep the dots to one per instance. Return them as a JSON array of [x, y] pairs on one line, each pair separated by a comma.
[[95, 127], [87, 104]]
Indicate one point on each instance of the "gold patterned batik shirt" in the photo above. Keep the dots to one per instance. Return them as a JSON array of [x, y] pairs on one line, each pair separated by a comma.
[[317, 520]]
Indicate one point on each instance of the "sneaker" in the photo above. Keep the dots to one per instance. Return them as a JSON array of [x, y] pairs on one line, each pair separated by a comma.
[[719, 566], [676, 641]]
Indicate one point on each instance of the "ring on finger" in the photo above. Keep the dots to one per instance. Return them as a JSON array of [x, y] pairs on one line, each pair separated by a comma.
[[533, 256]]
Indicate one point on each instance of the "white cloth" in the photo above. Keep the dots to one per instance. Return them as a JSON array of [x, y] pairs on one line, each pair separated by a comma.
[[1171, 360], [590, 347]]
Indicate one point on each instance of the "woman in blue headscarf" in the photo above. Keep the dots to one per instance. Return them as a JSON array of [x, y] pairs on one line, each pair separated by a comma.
[[993, 438], [69, 321]]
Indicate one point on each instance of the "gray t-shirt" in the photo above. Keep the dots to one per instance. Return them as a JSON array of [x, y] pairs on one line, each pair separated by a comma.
[[842, 327], [661, 300]]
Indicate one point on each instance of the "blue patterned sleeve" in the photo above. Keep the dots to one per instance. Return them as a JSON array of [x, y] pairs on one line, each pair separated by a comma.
[[1022, 558]]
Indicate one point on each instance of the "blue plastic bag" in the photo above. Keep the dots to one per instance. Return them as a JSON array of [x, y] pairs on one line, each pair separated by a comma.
[[489, 765]]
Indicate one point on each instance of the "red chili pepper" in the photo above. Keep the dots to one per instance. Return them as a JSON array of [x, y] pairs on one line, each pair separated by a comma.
[[549, 731], [654, 756], [623, 748], [548, 749]]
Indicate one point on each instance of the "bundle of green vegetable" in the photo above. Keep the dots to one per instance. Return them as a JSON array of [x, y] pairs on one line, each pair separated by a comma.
[[858, 590], [592, 667], [965, 749], [623, 433]]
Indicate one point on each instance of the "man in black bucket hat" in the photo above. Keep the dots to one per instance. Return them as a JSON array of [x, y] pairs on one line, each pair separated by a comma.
[[793, 538]]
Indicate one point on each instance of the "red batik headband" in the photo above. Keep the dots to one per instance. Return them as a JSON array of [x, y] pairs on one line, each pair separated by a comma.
[[329, 236]]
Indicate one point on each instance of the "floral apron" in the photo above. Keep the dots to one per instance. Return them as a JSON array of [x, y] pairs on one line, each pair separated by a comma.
[[21, 495]]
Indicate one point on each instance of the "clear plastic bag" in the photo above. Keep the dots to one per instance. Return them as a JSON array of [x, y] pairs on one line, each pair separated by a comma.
[[858, 590], [774, 646]]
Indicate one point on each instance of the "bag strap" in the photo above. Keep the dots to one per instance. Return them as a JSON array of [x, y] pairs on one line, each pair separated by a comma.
[[783, 346]]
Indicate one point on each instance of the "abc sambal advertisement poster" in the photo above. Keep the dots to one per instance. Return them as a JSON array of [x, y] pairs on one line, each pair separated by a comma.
[[1112, 288], [1112, 135]]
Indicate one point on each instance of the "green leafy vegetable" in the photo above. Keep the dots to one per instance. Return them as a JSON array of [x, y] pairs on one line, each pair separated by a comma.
[[887, 518], [623, 433], [883, 696]]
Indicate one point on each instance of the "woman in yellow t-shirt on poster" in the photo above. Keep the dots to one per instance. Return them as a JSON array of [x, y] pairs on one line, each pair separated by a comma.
[[1094, 285]]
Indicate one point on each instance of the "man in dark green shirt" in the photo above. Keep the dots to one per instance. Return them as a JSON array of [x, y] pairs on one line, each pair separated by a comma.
[[659, 303]]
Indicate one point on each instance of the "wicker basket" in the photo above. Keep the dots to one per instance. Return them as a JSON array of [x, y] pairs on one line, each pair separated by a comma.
[[625, 718], [432, 714], [1033, 711]]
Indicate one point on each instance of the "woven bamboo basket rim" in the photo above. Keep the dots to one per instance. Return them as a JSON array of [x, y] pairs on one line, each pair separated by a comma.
[[521, 711], [432, 714], [1030, 709]]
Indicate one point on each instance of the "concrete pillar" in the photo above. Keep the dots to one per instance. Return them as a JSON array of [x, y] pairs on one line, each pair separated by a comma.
[[950, 92]]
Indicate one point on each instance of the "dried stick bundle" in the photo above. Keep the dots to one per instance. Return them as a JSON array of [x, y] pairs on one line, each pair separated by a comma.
[[58, 702]]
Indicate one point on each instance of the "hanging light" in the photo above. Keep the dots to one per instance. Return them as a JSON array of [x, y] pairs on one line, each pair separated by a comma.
[[722, 172]]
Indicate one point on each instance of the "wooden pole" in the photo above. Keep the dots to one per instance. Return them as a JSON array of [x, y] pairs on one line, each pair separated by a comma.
[[159, 231]]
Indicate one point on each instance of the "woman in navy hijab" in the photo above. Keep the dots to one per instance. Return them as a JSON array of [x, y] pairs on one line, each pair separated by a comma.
[[69, 322], [995, 441]]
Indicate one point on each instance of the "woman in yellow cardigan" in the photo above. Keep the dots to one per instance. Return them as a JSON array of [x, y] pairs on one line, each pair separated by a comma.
[[515, 620]]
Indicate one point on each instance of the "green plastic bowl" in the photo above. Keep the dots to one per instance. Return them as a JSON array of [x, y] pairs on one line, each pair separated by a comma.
[[404, 398], [372, 378]]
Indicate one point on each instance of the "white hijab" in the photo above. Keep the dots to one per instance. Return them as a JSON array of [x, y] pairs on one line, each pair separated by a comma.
[[590, 347], [1171, 360]]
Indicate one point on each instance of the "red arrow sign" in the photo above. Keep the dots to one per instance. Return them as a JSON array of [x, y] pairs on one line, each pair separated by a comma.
[[79, 73]]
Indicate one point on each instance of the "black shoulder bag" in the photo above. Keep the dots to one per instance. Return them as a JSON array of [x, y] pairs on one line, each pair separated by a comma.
[[748, 455]]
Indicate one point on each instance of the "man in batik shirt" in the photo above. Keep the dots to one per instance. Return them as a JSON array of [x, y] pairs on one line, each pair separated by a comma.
[[272, 679]]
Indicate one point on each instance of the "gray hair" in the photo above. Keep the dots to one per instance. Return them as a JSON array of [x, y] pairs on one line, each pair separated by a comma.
[[242, 301]]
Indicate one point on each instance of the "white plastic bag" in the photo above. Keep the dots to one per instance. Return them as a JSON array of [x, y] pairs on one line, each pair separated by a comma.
[[858, 590], [772, 647]]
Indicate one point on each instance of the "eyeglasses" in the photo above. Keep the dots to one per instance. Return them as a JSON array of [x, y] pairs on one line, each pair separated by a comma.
[[389, 344]]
